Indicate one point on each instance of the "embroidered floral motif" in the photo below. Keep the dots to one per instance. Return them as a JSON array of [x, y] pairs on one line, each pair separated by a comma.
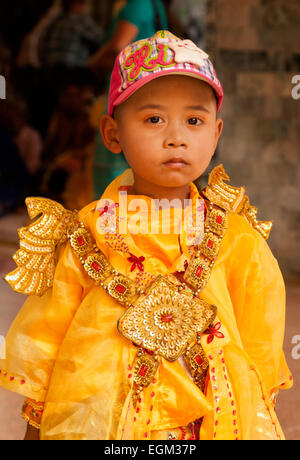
[[213, 331], [141, 60], [108, 208], [136, 262]]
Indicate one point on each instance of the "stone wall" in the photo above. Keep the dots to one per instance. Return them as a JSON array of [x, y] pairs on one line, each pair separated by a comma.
[[255, 47]]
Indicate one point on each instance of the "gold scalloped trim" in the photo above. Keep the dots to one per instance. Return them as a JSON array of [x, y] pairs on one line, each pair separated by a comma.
[[233, 199], [38, 241]]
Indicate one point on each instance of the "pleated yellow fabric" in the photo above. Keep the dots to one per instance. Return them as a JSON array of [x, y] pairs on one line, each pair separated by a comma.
[[64, 347]]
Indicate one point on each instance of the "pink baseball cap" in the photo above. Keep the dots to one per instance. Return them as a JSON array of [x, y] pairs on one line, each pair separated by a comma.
[[163, 54]]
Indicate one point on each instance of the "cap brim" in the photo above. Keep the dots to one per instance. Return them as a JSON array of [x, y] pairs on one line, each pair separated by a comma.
[[139, 83]]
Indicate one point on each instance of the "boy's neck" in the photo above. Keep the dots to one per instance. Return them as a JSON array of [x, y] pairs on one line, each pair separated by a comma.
[[157, 192]]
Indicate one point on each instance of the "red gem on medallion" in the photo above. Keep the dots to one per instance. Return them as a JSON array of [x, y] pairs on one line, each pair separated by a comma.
[[96, 266], [199, 271], [198, 359], [166, 318], [143, 370], [120, 288], [210, 244], [219, 219], [80, 240]]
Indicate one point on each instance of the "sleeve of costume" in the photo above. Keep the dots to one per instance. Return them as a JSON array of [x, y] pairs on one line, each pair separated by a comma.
[[257, 291], [37, 332]]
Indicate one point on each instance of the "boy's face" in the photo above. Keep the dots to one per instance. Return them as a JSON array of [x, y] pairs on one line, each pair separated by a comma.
[[168, 131]]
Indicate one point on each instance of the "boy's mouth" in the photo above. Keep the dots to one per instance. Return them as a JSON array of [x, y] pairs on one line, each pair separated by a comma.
[[176, 162]]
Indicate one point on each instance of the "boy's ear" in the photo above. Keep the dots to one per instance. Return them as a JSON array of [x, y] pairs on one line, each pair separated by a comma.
[[218, 131], [110, 134]]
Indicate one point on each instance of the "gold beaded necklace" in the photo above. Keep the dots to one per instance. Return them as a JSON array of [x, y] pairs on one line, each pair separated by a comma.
[[167, 318]]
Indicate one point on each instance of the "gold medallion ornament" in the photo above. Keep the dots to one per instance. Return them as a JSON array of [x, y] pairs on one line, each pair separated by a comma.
[[82, 241], [94, 262], [197, 364], [145, 367], [199, 269], [122, 289], [165, 320], [97, 267]]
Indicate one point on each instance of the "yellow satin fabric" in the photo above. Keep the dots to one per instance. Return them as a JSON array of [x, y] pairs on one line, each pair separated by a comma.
[[64, 348]]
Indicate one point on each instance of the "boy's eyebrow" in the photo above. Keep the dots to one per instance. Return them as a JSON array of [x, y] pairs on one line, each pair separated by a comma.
[[151, 106], [197, 107], [158, 106]]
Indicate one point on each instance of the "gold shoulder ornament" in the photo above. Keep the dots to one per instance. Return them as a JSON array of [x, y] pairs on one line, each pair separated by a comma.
[[38, 242], [233, 199]]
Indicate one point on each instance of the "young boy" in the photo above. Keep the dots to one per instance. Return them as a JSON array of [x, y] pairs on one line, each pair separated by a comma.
[[151, 334]]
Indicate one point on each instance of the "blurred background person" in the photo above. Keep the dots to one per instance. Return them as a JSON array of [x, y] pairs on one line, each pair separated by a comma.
[[132, 20], [29, 73], [69, 148], [28, 55], [14, 175], [71, 38]]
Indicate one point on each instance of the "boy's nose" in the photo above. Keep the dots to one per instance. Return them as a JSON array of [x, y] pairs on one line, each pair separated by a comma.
[[175, 140], [175, 144]]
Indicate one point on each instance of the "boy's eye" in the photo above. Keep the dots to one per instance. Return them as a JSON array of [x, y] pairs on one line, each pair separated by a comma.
[[194, 121], [154, 120]]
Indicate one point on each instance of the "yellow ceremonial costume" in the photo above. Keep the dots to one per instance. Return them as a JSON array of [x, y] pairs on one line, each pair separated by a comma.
[[64, 347]]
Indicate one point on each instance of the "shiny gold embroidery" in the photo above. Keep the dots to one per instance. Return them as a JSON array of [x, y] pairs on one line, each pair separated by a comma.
[[233, 199], [198, 364], [223, 195], [217, 221], [122, 289], [198, 272], [82, 242], [38, 241], [145, 367], [165, 320], [263, 227], [97, 267], [199, 269], [32, 412], [211, 245]]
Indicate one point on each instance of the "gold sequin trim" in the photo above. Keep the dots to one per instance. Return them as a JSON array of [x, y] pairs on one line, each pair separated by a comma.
[[38, 242], [165, 320]]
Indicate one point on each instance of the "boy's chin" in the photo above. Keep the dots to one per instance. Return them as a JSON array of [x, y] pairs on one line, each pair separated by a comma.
[[174, 183], [175, 180]]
